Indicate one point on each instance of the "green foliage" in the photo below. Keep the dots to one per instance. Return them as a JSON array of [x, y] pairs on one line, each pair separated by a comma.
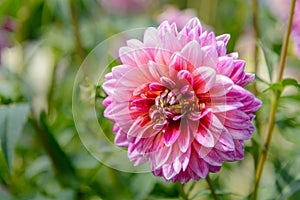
[[12, 120]]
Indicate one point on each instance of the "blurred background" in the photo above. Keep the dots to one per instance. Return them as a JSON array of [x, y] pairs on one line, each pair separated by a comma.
[[42, 46]]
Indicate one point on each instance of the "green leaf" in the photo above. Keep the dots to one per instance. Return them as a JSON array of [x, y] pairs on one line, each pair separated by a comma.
[[12, 120], [290, 82], [275, 86], [270, 57], [280, 86]]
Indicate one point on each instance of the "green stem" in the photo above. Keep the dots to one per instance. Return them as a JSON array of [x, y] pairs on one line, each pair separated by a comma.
[[255, 11], [78, 42], [211, 187], [263, 155], [182, 192], [286, 41], [274, 106]]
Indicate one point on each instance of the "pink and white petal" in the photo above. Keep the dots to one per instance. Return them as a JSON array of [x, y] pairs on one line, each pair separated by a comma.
[[165, 28], [192, 23], [129, 76], [199, 166], [239, 144], [234, 55], [238, 72], [224, 38], [134, 43], [177, 63], [221, 87], [126, 56], [227, 156], [185, 159], [204, 79], [177, 165], [214, 169], [121, 139], [109, 86], [221, 48], [151, 38], [253, 107], [162, 56], [213, 158], [207, 39], [170, 43], [139, 126], [204, 136], [248, 78], [186, 76], [141, 57], [241, 134], [193, 53], [195, 33], [224, 106], [225, 66], [161, 156], [184, 139], [225, 142], [210, 56], [171, 133], [168, 171], [107, 101]]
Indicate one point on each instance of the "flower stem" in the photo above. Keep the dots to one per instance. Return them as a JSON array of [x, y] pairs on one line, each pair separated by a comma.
[[211, 187], [263, 155], [182, 192], [274, 106], [286, 41]]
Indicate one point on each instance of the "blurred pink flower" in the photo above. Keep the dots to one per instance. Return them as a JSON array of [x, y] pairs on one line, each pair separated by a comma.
[[174, 15], [8, 25], [178, 102], [296, 28], [124, 6], [280, 9]]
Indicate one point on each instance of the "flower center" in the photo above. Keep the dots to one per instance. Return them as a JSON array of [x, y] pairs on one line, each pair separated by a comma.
[[172, 105], [167, 103]]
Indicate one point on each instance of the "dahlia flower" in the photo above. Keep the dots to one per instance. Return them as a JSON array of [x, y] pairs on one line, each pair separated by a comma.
[[177, 102]]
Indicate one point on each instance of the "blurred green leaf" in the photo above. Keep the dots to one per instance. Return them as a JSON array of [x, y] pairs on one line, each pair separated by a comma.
[[64, 168], [12, 119], [290, 82], [275, 86], [292, 189], [142, 185], [4, 194], [278, 87], [39, 165], [271, 58]]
